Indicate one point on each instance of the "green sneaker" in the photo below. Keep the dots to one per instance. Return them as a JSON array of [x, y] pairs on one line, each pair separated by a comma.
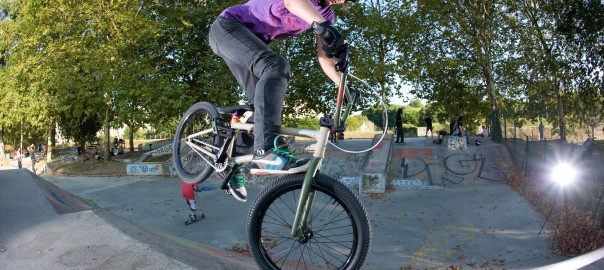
[[237, 186], [277, 161]]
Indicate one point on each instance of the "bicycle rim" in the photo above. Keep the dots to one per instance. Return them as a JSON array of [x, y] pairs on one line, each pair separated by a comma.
[[338, 228], [191, 164]]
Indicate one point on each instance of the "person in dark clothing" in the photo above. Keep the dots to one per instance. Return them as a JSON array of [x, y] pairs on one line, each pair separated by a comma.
[[241, 36], [400, 136], [458, 129], [429, 127], [459, 132]]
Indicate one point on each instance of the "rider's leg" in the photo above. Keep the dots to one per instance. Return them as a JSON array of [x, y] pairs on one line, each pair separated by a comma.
[[237, 184], [260, 71], [250, 58]]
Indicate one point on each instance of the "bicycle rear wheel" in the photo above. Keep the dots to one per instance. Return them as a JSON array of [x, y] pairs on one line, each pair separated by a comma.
[[190, 163], [337, 236]]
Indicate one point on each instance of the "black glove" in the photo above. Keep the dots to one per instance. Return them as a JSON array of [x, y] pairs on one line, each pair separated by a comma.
[[334, 44]]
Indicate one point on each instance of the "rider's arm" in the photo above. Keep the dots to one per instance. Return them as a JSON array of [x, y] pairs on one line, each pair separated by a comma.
[[305, 10], [327, 64]]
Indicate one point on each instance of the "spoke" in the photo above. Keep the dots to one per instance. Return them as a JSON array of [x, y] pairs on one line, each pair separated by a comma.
[[280, 215], [339, 243], [321, 210], [290, 251], [334, 228], [332, 244], [277, 244], [323, 255], [334, 219], [277, 221], [331, 248]]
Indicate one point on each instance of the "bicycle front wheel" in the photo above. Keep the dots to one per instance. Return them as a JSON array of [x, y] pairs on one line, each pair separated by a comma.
[[337, 235], [193, 134]]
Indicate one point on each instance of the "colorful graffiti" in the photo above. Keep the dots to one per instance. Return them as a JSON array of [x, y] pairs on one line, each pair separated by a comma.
[[145, 169], [424, 165]]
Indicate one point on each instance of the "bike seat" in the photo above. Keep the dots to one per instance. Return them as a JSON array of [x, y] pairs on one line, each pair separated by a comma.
[[236, 108]]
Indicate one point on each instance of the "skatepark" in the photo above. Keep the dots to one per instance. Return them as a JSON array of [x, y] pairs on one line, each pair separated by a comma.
[[439, 208]]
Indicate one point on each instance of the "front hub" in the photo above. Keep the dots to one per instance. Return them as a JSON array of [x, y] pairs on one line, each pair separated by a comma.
[[307, 234]]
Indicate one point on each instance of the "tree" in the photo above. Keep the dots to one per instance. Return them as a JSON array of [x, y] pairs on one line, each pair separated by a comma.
[[185, 61], [416, 103], [582, 25], [550, 59], [375, 52], [20, 105], [455, 52]]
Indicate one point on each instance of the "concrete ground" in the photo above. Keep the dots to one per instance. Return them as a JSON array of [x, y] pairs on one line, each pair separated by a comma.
[[466, 220]]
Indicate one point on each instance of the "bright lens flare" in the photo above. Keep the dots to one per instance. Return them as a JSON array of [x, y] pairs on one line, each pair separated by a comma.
[[563, 174]]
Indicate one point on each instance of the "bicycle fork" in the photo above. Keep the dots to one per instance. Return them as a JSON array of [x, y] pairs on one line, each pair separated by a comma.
[[307, 195]]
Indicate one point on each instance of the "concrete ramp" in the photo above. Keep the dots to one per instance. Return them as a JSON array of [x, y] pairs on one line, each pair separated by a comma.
[[27, 200], [45, 227]]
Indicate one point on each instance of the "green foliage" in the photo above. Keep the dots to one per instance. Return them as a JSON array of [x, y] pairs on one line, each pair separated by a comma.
[[139, 133], [410, 116], [375, 54], [307, 123], [353, 123], [145, 62], [416, 103]]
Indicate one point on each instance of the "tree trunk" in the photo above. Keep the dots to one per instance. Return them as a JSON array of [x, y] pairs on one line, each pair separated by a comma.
[[106, 142], [492, 91], [82, 142], [131, 138], [560, 110], [2, 154], [52, 132]]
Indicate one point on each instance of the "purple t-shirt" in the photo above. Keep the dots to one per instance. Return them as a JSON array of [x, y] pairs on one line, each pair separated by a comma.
[[269, 19]]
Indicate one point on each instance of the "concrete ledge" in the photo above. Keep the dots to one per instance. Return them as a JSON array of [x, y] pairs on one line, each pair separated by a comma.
[[49, 166], [164, 150], [155, 144], [375, 172], [453, 142], [148, 168]]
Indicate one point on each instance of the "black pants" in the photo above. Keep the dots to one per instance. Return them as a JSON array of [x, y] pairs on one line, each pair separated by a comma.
[[400, 135]]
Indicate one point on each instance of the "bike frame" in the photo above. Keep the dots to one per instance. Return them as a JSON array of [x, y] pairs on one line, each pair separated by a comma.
[[328, 125]]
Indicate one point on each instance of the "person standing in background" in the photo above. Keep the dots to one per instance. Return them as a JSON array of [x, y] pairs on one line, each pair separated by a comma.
[[429, 127], [32, 154], [541, 129], [400, 135]]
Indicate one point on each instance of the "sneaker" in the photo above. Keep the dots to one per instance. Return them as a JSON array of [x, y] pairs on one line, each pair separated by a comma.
[[193, 216], [237, 186], [277, 161]]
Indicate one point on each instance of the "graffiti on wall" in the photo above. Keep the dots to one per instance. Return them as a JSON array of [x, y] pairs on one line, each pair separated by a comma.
[[422, 164], [339, 164], [166, 149], [145, 169]]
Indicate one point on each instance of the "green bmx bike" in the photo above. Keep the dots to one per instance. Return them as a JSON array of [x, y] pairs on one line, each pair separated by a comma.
[[299, 221]]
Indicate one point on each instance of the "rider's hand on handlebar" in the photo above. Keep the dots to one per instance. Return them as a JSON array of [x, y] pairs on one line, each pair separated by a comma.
[[334, 43]]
